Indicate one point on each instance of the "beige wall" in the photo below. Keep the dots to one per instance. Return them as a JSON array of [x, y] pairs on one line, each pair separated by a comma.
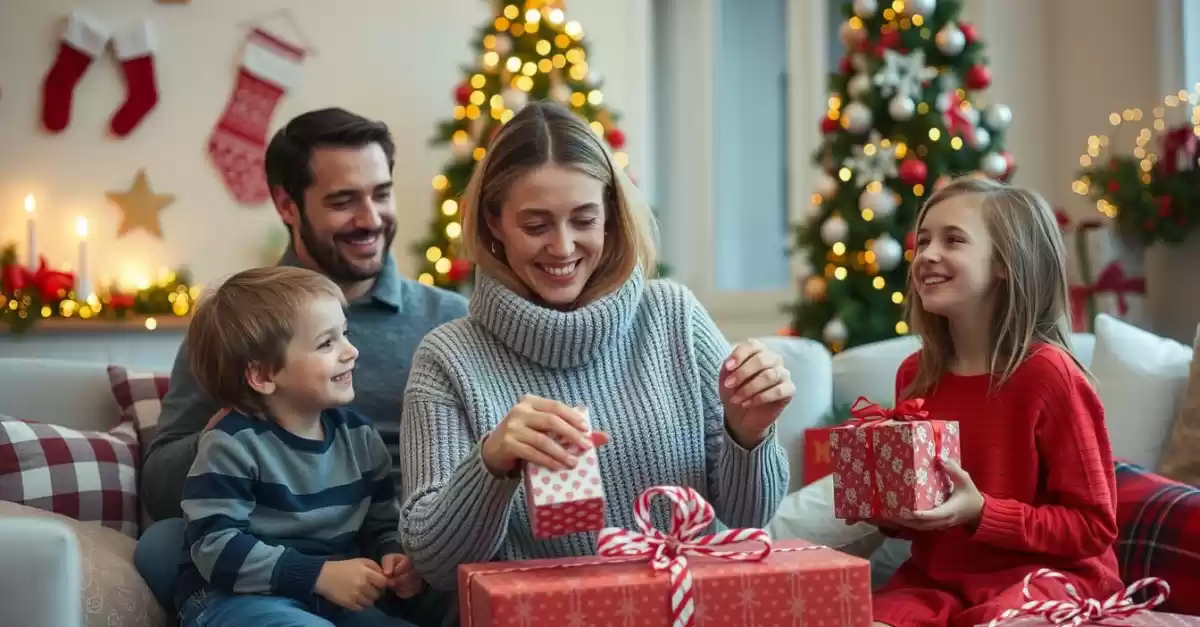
[[1064, 66]]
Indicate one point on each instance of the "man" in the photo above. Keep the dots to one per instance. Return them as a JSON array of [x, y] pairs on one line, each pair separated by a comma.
[[330, 175]]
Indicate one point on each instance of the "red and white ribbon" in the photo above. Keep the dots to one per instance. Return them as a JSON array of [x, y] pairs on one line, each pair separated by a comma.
[[690, 516], [1078, 610]]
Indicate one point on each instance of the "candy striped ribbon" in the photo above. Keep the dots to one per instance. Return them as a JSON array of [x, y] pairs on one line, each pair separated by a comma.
[[690, 516], [1078, 610]]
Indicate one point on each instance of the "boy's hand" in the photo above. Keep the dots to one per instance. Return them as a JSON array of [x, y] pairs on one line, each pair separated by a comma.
[[401, 578], [353, 584]]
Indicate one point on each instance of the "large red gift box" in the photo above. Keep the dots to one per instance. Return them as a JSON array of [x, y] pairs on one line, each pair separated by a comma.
[[562, 502], [885, 461], [818, 461], [1121, 609], [630, 582]]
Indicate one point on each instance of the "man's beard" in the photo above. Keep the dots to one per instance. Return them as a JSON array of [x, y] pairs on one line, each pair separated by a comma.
[[332, 263]]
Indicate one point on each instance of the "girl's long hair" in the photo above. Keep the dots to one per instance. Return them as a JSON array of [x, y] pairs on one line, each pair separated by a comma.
[[1032, 304]]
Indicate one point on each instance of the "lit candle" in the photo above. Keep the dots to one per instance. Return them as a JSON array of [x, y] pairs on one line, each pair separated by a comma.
[[31, 237], [81, 284]]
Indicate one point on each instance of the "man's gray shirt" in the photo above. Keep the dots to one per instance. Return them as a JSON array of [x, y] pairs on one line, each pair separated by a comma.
[[386, 326]]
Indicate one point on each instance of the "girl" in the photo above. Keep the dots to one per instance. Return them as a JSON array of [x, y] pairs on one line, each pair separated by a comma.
[[988, 298]]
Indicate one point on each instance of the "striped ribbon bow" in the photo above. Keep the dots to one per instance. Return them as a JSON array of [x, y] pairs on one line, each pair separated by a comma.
[[690, 515], [1077, 610]]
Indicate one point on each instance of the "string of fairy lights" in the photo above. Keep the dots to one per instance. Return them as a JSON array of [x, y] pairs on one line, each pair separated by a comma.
[[1142, 141]]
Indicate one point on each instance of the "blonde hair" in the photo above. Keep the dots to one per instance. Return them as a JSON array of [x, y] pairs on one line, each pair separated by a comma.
[[1033, 303], [545, 133], [248, 322]]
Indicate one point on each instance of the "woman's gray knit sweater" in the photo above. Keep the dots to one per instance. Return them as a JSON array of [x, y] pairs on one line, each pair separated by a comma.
[[644, 360]]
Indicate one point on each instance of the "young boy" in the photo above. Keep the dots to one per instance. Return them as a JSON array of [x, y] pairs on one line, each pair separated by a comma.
[[290, 506]]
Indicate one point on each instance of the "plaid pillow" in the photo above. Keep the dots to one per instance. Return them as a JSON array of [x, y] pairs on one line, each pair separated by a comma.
[[90, 476], [1159, 534], [139, 395]]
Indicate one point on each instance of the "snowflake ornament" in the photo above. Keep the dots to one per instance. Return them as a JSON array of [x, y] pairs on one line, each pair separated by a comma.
[[903, 74], [873, 161]]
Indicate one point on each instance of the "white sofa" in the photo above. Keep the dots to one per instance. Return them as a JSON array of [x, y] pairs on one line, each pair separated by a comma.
[[79, 395]]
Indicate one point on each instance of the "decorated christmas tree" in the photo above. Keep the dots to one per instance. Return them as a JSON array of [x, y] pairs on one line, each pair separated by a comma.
[[905, 114], [528, 51]]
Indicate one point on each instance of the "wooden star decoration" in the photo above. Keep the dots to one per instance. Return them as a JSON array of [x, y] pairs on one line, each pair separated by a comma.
[[140, 206]]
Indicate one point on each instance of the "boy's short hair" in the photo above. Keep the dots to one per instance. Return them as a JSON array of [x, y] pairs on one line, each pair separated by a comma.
[[249, 320]]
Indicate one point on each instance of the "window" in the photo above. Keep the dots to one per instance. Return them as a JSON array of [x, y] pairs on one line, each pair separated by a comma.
[[750, 131]]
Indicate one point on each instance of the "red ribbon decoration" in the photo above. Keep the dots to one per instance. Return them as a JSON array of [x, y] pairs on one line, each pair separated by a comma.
[[47, 282], [1181, 138], [1113, 279], [956, 120], [1078, 610], [864, 414]]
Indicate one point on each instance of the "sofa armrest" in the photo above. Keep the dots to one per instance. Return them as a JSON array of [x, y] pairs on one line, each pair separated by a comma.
[[41, 581]]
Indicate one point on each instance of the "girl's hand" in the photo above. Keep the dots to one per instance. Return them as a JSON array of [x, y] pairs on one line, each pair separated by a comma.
[[755, 388], [529, 432], [964, 507]]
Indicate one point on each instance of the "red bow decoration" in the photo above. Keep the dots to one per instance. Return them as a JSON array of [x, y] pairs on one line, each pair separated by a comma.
[[1178, 145], [48, 283], [865, 413], [1113, 279], [1078, 610], [956, 120], [690, 515]]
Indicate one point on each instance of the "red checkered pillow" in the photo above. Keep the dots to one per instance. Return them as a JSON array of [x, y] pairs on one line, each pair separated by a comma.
[[90, 476], [139, 395], [1159, 534]]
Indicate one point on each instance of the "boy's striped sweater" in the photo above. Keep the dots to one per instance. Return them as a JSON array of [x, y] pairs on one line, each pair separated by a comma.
[[265, 508]]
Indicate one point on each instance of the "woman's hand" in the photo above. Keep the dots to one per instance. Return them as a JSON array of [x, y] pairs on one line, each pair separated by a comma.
[[755, 387], [531, 432]]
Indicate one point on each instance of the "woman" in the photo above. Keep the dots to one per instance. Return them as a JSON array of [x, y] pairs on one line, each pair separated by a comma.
[[564, 316]]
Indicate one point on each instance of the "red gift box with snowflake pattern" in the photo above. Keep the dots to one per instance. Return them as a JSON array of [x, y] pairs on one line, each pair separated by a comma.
[[562, 502], [886, 461], [797, 584]]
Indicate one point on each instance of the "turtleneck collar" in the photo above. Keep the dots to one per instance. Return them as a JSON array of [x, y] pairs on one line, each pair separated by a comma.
[[553, 338]]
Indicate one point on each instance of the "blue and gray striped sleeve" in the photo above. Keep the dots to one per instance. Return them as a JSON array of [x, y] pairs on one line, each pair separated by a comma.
[[381, 527], [747, 485], [218, 497]]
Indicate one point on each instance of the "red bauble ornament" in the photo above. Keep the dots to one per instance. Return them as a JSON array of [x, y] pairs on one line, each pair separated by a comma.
[[888, 41], [829, 125], [462, 94], [845, 67], [970, 35], [913, 171], [460, 269], [616, 138], [1113, 187], [910, 240], [1010, 165], [978, 77]]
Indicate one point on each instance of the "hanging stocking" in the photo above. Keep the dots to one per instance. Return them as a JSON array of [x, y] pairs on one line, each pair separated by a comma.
[[135, 50], [84, 40], [270, 67]]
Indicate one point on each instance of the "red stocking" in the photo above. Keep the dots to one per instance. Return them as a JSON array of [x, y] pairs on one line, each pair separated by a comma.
[[84, 40], [135, 49], [237, 145]]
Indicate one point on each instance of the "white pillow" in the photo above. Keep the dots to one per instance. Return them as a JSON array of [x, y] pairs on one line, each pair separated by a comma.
[[807, 514], [1140, 378]]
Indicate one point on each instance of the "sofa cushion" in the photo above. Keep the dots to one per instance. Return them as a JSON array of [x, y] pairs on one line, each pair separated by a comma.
[[139, 396], [1181, 459], [113, 593], [1159, 534], [89, 476], [1140, 378]]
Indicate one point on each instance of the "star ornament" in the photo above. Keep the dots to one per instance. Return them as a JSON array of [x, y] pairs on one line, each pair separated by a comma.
[[903, 74], [140, 206], [873, 161]]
